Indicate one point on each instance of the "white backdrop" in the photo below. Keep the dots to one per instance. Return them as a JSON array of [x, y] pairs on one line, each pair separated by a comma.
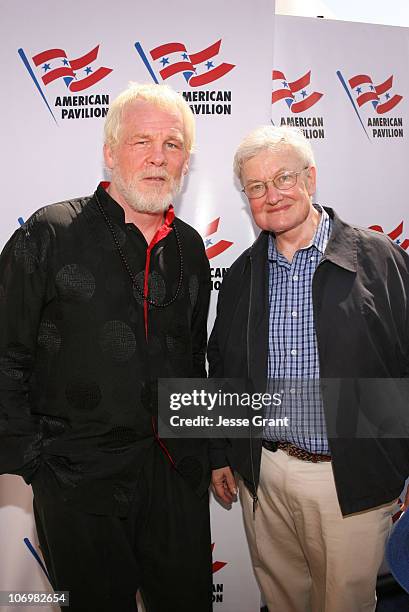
[[49, 154], [63, 63], [362, 175]]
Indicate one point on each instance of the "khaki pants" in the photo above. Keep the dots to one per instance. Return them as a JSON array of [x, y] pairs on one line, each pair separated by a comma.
[[307, 557]]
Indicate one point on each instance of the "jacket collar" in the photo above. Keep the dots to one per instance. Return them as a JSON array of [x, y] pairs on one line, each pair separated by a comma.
[[112, 208], [115, 211], [341, 248]]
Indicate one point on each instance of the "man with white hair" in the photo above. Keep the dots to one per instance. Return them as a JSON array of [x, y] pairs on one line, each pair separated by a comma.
[[316, 310], [100, 296]]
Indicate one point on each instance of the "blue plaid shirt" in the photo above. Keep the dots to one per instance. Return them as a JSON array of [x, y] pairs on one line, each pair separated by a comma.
[[293, 365]]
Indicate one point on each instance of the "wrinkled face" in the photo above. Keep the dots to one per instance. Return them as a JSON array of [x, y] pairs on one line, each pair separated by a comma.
[[149, 161], [278, 210]]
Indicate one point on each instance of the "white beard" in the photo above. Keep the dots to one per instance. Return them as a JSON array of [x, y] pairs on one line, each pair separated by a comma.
[[155, 201]]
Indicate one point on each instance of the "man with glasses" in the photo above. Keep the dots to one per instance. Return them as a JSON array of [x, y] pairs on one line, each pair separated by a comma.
[[313, 298]]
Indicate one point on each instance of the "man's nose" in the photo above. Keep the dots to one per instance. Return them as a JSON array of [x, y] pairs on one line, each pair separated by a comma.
[[157, 155], [273, 194]]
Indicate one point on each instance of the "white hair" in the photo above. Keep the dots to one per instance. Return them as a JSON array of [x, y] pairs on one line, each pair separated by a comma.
[[160, 95], [272, 138]]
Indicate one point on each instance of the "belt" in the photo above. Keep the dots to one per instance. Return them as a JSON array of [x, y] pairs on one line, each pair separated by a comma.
[[294, 451]]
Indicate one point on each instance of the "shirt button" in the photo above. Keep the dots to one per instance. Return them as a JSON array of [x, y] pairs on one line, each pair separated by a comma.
[[294, 313], [293, 351], [295, 277], [312, 258], [292, 390]]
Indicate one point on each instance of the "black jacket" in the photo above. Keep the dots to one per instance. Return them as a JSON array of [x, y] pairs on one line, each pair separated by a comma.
[[77, 373], [361, 313]]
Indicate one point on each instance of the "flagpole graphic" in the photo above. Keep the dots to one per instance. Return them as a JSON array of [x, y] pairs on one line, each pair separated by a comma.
[[341, 78], [143, 57], [37, 84]]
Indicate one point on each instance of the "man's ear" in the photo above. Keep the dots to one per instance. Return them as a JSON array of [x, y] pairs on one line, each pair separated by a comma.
[[108, 156], [185, 168], [312, 180]]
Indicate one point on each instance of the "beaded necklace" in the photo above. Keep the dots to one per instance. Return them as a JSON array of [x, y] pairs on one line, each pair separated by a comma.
[[127, 267]]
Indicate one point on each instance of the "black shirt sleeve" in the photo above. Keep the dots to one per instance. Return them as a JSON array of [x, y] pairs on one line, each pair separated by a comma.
[[22, 290]]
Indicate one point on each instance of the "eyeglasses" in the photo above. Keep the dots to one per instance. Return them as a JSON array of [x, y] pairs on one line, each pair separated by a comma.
[[283, 181]]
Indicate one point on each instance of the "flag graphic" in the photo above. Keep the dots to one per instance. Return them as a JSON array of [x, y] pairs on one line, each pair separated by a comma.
[[217, 565], [364, 90], [78, 74], [206, 68], [173, 59], [297, 94], [198, 69], [394, 235], [387, 102], [211, 249]]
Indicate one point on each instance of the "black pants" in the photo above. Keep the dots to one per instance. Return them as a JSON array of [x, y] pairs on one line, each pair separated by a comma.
[[162, 548]]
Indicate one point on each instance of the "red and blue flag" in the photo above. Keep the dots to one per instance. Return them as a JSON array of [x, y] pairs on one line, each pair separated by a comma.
[[297, 94]]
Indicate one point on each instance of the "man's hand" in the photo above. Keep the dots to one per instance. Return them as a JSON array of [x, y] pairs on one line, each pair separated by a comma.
[[224, 485]]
